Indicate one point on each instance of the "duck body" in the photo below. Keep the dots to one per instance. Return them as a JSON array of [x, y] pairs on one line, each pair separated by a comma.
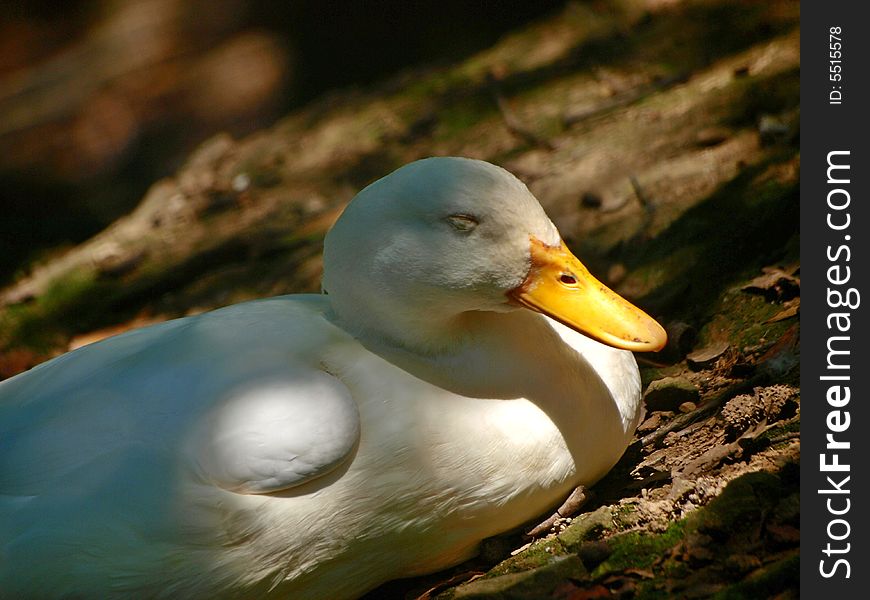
[[278, 447]]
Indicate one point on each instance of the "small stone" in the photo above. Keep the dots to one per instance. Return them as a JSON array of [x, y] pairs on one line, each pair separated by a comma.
[[669, 393], [680, 487], [687, 407], [241, 182], [586, 526], [651, 424], [313, 204]]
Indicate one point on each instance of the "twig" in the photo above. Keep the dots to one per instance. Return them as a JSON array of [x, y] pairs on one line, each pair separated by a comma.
[[645, 202], [625, 99], [649, 207], [512, 122], [569, 508]]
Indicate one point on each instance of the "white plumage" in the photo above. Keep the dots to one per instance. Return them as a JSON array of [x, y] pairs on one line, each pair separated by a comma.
[[316, 446]]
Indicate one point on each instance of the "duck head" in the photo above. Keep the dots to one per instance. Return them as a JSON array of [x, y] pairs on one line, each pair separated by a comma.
[[438, 239]]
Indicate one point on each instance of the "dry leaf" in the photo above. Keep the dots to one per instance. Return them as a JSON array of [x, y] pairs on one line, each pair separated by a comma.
[[792, 308]]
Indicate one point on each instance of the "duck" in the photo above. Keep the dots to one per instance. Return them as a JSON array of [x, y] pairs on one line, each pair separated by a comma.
[[459, 374]]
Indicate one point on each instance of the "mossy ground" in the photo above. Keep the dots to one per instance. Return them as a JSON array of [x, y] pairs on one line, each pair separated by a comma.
[[704, 553]]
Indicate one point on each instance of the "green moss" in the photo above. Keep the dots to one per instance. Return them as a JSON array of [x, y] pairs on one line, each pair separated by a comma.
[[586, 527], [639, 550], [667, 270], [676, 569], [537, 555], [716, 246], [626, 515], [71, 304], [741, 318], [299, 238], [733, 518], [424, 89], [530, 584], [741, 505], [650, 374], [767, 581], [788, 510], [459, 117], [72, 288]]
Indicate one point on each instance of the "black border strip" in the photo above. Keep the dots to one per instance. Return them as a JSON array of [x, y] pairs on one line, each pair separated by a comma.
[[834, 127]]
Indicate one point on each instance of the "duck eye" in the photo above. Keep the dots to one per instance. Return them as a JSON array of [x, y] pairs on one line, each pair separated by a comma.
[[463, 222]]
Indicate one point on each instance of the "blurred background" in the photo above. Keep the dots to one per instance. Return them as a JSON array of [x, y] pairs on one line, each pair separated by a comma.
[[159, 158], [99, 99]]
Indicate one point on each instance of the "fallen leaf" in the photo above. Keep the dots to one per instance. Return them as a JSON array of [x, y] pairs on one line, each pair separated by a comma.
[[775, 284], [707, 356], [792, 308], [642, 573]]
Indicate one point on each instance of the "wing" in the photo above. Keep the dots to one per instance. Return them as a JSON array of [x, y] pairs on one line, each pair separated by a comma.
[[278, 431], [238, 390]]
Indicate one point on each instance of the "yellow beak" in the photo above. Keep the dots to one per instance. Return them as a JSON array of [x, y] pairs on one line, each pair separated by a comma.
[[559, 286]]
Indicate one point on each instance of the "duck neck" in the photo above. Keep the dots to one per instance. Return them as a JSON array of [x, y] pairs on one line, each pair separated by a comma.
[[428, 333], [519, 354], [589, 392]]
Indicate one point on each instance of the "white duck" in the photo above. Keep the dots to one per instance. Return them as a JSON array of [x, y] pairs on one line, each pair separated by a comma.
[[316, 446]]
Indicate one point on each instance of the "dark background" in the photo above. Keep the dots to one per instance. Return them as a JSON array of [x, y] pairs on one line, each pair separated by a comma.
[[89, 120]]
